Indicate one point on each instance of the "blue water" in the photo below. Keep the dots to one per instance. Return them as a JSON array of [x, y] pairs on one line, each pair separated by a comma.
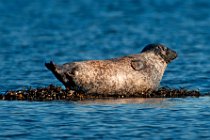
[[36, 31]]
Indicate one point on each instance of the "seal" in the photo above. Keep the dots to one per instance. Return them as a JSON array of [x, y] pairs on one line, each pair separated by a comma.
[[133, 74]]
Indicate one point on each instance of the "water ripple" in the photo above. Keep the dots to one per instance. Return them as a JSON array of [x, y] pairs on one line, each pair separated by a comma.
[[33, 32]]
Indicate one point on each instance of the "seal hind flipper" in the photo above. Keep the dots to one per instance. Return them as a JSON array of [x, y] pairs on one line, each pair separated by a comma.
[[57, 71], [64, 73], [138, 64], [51, 66]]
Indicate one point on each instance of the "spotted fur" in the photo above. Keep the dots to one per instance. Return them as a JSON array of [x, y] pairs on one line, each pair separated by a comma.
[[125, 75]]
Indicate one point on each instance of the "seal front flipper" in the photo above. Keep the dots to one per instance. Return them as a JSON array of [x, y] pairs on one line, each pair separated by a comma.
[[138, 64]]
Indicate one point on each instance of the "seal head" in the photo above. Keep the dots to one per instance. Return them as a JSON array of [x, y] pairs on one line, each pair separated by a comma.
[[165, 53]]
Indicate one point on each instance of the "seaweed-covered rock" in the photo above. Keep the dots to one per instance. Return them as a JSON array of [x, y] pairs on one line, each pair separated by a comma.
[[57, 93]]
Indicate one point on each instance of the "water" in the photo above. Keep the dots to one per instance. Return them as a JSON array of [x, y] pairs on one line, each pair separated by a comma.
[[117, 119], [34, 32]]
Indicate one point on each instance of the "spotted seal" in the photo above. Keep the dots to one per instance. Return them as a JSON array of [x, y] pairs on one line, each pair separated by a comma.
[[131, 74]]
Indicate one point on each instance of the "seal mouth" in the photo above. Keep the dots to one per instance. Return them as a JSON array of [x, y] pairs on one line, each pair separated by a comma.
[[170, 55]]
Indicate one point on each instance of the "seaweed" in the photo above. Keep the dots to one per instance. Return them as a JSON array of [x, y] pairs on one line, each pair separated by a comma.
[[52, 92]]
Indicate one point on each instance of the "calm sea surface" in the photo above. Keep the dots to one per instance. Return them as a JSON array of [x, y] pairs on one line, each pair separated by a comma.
[[33, 32]]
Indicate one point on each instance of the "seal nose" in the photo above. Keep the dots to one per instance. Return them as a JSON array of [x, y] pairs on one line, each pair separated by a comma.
[[172, 54]]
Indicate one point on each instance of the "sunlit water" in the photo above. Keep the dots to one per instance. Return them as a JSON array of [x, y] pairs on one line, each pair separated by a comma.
[[34, 32]]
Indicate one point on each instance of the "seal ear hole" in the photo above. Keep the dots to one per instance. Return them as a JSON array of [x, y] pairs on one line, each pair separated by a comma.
[[137, 64]]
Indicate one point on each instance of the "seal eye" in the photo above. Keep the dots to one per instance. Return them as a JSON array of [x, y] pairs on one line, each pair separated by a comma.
[[161, 48]]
